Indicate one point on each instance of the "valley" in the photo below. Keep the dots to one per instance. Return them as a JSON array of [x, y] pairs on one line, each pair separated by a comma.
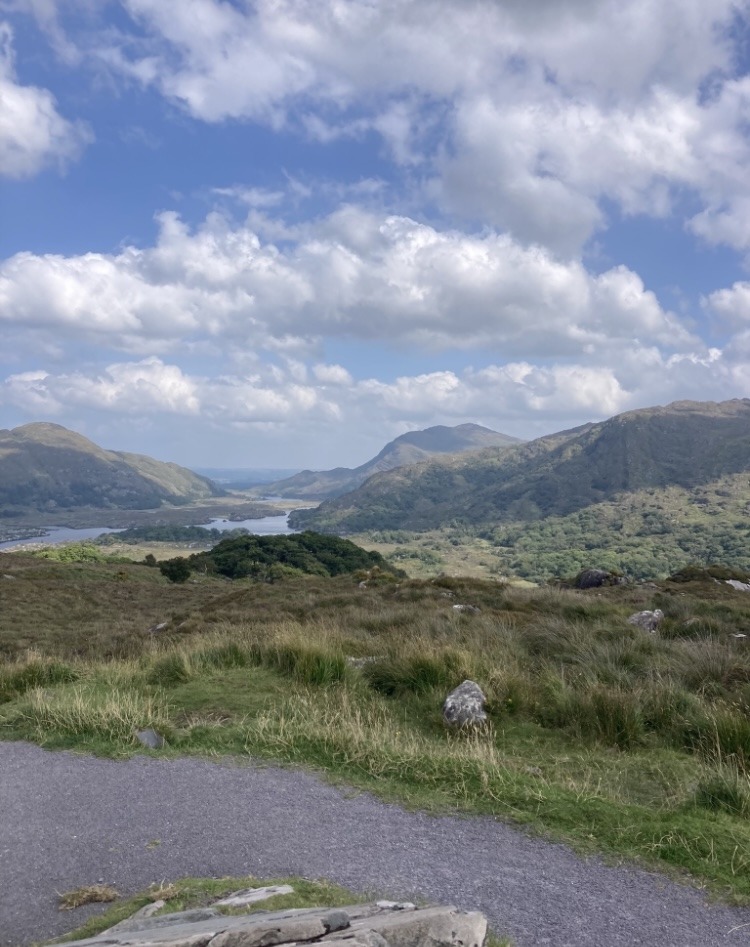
[[336, 652]]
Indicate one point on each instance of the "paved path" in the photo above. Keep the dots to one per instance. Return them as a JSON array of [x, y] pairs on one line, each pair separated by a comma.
[[68, 820]]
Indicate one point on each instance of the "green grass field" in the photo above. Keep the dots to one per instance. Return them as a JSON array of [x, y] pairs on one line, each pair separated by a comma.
[[613, 739]]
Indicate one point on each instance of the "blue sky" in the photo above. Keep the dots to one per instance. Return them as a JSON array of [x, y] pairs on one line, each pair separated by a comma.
[[281, 233]]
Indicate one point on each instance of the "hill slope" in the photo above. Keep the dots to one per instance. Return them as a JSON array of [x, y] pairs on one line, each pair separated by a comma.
[[684, 444], [46, 467], [409, 448]]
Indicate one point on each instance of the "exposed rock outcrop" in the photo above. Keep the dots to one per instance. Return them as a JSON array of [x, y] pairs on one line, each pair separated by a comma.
[[381, 924]]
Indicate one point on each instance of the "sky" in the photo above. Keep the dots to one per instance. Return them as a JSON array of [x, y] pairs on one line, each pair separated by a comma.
[[283, 232]]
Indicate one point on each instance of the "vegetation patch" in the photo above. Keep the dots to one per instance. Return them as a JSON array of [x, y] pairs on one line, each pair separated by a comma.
[[87, 894], [601, 734], [185, 893]]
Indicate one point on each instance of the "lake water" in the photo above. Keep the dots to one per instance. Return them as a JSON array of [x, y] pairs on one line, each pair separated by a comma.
[[268, 526]]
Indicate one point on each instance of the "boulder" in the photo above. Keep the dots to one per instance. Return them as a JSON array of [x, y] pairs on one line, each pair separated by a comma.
[[596, 578], [739, 586], [464, 707], [648, 621], [470, 609], [150, 739]]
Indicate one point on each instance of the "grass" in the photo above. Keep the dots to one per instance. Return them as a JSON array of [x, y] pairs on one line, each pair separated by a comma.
[[87, 894], [185, 893], [604, 736]]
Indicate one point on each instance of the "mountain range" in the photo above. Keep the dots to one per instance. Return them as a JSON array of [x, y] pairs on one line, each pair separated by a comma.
[[685, 444], [47, 467], [405, 450]]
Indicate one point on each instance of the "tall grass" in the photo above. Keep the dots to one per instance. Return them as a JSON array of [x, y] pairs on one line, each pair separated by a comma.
[[90, 712], [590, 718]]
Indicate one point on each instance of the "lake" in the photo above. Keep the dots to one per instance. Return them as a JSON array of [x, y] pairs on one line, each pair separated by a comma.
[[268, 526]]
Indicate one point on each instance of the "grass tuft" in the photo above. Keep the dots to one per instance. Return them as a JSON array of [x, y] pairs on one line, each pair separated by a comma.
[[87, 894]]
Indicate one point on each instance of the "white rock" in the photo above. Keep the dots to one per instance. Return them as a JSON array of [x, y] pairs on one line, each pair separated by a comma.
[[250, 895]]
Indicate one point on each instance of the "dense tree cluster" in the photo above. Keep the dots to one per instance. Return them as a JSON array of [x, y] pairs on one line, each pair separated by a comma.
[[268, 557]]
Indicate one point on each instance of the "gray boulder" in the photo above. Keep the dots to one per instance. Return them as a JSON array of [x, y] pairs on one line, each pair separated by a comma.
[[596, 578], [648, 621], [464, 707], [150, 739]]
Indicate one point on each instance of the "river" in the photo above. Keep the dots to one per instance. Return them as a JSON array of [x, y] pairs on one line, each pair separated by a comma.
[[268, 526]]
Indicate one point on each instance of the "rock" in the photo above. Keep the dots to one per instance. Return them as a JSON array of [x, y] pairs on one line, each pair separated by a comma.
[[427, 927], [735, 583], [464, 707], [266, 932], [143, 921], [251, 895], [11, 577], [471, 609], [738, 634], [359, 663], [648, 621], [151, 739], [133, 923], [367, 925], [596, 578], [155, 629]]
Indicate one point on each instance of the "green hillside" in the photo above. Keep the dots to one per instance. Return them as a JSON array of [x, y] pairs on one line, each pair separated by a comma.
[[686, 444], [409, 448], [47, 467]]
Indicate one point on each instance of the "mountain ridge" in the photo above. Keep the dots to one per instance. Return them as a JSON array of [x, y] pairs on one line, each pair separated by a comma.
[[682, 444], [45, 466], [406, 449]]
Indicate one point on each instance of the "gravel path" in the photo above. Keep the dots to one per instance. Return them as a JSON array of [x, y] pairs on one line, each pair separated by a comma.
[[68, 820]]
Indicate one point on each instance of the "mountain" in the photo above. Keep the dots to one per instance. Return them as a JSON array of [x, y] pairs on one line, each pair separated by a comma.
[[47, 467], [410, 448], [685, 444]]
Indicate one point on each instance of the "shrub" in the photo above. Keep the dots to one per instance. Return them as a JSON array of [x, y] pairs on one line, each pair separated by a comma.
[[176, 570]]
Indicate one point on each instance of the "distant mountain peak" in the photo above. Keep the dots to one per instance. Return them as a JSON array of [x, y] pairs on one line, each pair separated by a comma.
[[412, 447], [683, 444]]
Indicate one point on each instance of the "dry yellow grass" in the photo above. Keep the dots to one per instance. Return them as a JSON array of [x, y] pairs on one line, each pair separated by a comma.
[[87, 894]]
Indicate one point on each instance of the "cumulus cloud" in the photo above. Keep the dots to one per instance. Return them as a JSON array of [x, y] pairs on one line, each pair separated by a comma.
[[33, 134], [525, 121], [731, 305], [352, 274], [517, 397]]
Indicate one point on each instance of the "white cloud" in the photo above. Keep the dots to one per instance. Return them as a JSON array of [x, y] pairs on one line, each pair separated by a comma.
[[352, 274], [32, 132], [518, 397], [731, 305], [524, 121], [332, 375], [135, 387]]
